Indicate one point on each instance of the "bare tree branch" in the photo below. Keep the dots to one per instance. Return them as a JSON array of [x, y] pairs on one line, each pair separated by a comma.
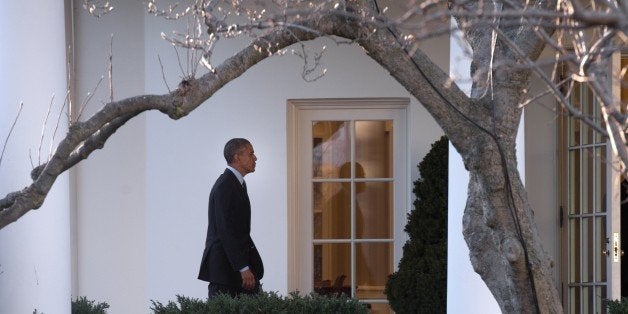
[[87, 99], [163, 75], [6, 140], [43, 129], [110, 69], [54, 133]]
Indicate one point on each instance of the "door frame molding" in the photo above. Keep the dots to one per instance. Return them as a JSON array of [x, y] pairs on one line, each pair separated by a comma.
[[296, 265]]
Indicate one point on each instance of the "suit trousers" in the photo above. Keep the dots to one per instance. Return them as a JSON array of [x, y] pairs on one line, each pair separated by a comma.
[[214, 289]]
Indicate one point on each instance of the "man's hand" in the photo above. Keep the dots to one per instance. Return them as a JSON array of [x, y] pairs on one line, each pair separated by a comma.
[[248, 279]]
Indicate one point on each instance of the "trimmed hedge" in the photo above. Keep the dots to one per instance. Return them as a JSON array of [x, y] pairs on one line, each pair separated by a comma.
[[420, 284], [265, 302], [84, 306], [617, 306]]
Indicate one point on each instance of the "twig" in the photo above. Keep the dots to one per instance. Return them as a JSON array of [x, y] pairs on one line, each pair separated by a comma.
[[179, 61], [88, 98], [43, 130], [36, 277], [557, 94], [537, 96], [54, 133], [30, 156], [163, 75], [111, 69], [187, 51], [70, 84], [97, 8], [310, 63], [11, 131]]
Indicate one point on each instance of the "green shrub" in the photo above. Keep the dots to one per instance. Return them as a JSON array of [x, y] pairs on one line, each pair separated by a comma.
[[84, 306], [265, 302], [420, 284], [617, 306]]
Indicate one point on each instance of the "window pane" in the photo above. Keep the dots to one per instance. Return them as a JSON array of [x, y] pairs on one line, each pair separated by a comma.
[[574, 250], [331, 148], [599, 120], [600, 258], [587, 300], [374, 148], [374, 263], [574, 181], [586, 181], [600, 294], [332, 268], [587, 250], [332, 210], [588, 111], [374, 210], [600, 179], [574, 124], [574, 300]]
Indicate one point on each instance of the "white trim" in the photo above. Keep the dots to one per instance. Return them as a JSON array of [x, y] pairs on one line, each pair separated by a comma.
[[613, 194], [347, 103], [292, 152]]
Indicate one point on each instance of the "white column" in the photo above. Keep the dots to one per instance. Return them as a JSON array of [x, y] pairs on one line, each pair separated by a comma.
[[35, 250]]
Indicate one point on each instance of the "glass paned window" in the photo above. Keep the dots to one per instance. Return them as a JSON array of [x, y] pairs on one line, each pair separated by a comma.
[[331, 142], [353, 210], [373, 148], [584, 196], [332, 268], [374, 210], [374, 264], [332, 210]]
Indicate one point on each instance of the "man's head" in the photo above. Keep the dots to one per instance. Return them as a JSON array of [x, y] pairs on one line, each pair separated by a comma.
[[239, 154]]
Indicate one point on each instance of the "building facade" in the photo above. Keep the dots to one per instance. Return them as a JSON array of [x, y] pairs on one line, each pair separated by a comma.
[[128, 224]]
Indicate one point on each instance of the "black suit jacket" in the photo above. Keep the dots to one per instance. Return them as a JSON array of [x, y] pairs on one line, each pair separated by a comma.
[[229, 247]]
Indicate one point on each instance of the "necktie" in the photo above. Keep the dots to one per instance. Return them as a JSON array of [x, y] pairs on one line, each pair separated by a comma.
[[244, 186]]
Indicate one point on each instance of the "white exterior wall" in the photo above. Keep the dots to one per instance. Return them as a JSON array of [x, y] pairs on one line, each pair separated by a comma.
[[541, 154], [110, 190], [142, 201], [35, 251]]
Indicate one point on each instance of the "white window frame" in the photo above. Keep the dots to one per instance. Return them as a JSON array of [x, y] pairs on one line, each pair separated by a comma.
[[300, 264]]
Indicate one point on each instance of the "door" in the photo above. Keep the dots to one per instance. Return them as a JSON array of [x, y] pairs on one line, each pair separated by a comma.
[[351, 177], [589, 211]]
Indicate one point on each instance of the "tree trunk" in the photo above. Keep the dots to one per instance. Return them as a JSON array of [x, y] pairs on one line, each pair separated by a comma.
[[499, 228]]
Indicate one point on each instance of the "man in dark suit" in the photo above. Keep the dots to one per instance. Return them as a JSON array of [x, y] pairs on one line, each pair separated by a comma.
[[231, 263]]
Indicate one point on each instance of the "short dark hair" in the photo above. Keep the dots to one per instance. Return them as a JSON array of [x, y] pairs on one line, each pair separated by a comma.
[[234, 146]]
